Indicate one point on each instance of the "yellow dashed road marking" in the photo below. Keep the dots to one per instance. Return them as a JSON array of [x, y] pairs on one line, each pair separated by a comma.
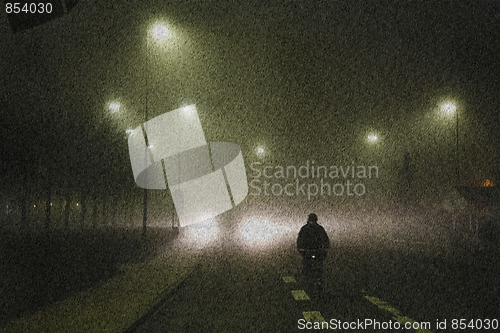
[[289, 279], [313, 316], [398, 316], [300, 295]]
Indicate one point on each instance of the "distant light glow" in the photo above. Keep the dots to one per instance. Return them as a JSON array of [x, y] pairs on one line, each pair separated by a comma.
[[487, 183], [189, 110], [260, 151], [449, 108], [114, 106], [202, 233], [159, 31], [372, 138], [259, 231]]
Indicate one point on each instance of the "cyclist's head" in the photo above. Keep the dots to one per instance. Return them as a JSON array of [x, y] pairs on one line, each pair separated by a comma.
[[312, 218]]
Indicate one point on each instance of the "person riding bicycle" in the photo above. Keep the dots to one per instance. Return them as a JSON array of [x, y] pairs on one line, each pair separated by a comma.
[[312, 244]]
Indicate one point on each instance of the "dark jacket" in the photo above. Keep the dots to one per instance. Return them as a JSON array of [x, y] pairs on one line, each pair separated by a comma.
[[313, 238]]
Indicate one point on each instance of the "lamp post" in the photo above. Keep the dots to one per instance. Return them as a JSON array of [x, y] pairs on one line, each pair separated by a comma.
[[158, 32], [450, 109]]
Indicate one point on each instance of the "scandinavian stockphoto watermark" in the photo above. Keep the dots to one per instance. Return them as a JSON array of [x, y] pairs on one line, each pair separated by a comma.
[[205, 179], [310, 179]]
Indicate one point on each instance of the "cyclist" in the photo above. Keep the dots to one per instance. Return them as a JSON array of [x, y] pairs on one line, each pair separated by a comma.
[[312, 244]]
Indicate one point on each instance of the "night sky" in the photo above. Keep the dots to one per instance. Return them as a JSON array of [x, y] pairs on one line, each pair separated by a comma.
[[307, 80]]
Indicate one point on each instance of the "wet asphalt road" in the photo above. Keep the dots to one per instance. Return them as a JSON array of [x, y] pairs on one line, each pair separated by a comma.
[[237, 289]]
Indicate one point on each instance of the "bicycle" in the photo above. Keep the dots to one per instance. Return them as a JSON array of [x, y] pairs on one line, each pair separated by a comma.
[[312, 266]]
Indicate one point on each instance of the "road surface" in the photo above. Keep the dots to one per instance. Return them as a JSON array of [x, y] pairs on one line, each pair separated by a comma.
[[250, 289]]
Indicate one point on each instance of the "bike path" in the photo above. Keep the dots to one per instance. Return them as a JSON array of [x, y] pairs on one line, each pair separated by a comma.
[[115, 304]]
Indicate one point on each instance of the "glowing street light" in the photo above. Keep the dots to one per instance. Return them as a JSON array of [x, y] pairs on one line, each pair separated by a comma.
[[159, 31], [448, 108], [189, 110], [372, 138], [260, 151], [114, 106]]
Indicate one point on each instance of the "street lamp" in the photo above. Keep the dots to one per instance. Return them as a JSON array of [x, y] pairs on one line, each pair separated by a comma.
[[260, 151], [114, 106], [159, 37], [372, 138], [449, 108], [158, 33]]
